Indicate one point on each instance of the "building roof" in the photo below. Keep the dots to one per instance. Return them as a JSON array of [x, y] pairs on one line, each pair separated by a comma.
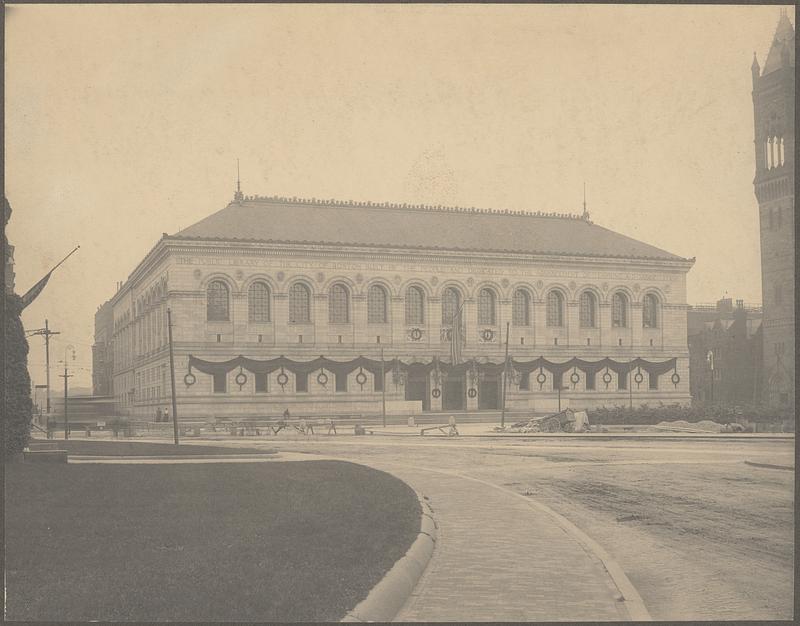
[[783, 39], [293, 220]]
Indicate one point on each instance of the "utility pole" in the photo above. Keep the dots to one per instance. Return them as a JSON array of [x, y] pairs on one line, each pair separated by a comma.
[[630, 384], [505, 380], [172, 378], [65, 376], [47, 333], [383, 390]]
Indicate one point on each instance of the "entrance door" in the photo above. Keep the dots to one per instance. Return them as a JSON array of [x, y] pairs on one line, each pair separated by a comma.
[[489, 393], [453, 396], [417, 389]]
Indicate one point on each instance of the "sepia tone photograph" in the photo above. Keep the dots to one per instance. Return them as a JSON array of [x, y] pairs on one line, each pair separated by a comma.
[[399, 313]]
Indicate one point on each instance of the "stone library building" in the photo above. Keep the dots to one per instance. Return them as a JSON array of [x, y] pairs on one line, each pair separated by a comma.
[[343, 308]]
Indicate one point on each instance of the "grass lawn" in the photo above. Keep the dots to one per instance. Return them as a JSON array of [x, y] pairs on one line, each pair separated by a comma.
[[145, 448], [282, 541]]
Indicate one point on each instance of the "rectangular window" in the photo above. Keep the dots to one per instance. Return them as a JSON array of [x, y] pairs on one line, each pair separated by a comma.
[[557, 381], [301, 382], [219, 338], [622, 380], [341, 382], [220, 382], [378, 380], [653, 382], [525, 381], [261, 383], [590, 376]]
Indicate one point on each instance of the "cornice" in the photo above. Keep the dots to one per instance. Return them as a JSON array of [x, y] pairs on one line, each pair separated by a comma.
[[224, 247]]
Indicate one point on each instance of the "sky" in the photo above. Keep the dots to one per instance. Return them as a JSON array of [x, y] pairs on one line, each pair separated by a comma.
[[124, 122]]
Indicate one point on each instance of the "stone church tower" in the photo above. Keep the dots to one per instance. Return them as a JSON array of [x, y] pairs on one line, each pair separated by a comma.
[[773, 107]]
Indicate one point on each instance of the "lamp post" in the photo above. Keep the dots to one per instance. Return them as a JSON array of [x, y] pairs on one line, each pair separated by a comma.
[[710, 359], [383, 390]]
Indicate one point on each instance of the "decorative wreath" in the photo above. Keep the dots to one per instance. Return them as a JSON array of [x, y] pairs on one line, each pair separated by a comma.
[[575, 378], [283, 379], [487, 334], [607, 378], [472, 392], [541, 378], [675, 378], [416, 334], [189, 380], [436, 393], [638, 378], [361, 378], [241, 379], [322, 378]]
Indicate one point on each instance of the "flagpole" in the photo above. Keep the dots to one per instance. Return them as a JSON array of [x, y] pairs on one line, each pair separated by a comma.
[[505, 380], [64, 259]]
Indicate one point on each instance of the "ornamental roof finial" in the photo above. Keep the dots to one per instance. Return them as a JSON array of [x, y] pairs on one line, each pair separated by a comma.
[[238, 196]]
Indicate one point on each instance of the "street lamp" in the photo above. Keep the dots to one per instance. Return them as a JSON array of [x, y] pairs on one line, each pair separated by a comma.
[[710, 359]]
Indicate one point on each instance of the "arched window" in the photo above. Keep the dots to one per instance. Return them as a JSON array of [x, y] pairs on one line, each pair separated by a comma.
[[486, 308], [521, 308], [619, 310], [299, 304], [650, 311], [258, 302], [217, 309], [555, 309], [415, 305], [451, 302], [588, 310], [339, 305], [376, 305]]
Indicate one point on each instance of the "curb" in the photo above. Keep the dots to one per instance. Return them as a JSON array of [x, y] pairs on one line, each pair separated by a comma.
[[769, 466], [387, 597]]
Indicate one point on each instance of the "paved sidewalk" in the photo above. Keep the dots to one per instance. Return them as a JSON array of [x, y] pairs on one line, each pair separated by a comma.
[[498, 559]]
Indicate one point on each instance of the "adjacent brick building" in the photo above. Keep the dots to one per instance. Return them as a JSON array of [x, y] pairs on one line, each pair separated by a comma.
[[102, 351], [773, 105], [327, 307], [728, 339]]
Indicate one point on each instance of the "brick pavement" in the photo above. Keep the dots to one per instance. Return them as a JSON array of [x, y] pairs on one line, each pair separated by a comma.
[[498, 559]]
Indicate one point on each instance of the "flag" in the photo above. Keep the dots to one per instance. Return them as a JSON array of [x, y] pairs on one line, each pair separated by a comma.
[[34, 291], [456, 338]]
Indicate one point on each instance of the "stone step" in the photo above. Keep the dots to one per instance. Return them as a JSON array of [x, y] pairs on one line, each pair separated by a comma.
[[45, 456], [43, 445]]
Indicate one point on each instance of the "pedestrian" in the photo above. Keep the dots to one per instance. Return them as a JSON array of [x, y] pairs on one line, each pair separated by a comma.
[[166, 414], [286, 414]]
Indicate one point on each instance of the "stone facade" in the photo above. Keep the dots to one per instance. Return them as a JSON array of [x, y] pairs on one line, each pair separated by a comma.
[[364, 301], [773, 104]]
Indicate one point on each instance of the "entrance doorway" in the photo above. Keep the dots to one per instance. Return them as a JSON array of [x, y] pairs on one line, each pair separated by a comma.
[[417, 389], [454, 393], [489, 393]]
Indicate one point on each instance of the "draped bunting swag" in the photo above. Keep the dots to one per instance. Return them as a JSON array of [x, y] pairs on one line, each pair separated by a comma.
[[416, 368]]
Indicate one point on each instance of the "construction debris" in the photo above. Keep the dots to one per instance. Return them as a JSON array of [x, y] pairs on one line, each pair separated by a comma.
[[567, 421]]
